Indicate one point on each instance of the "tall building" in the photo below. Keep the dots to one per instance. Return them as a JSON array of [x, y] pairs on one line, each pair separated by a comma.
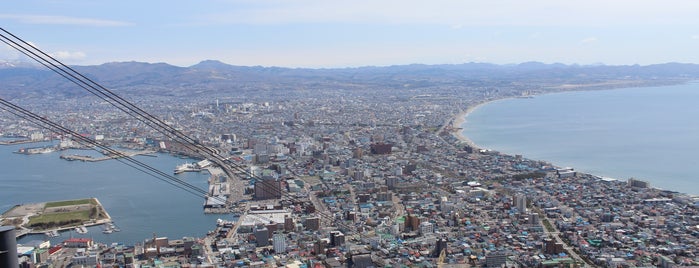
[[521, 203], [412, 223], [439, 246], [288, 224], [262, 236], [8, 247], [426, 228], [312, 224], [381, 148], [337, 238], [268, 188], [279, 242], [391, 182], [319, 246]]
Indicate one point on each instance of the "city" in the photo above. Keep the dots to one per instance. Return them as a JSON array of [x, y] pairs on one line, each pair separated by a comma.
[[374, 174]]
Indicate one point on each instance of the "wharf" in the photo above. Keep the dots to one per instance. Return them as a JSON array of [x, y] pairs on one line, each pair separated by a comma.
[[21, 141], [120, 154], [222, 186]]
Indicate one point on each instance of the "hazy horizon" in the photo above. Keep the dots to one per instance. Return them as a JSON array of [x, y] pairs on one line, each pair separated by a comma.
[[34, 63], [332, 34]]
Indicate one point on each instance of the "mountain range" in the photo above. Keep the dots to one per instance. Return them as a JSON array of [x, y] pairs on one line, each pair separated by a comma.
[[212, 77]]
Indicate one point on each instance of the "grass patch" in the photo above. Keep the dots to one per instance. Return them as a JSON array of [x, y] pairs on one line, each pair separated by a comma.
[[70, 203], [548, 226], [52, 220]]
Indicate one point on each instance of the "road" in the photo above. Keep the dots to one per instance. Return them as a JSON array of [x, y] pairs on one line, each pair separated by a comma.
[[556, 235]]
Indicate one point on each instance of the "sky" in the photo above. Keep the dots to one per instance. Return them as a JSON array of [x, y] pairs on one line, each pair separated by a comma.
[[336, 34]]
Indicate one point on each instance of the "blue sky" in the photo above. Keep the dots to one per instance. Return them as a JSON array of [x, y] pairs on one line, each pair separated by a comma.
[[328, 33]]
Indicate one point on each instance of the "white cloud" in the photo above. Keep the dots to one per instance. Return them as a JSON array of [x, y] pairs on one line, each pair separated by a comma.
[[69, 56], [695, 37], [62, 20], [589, 40], [460, 12]]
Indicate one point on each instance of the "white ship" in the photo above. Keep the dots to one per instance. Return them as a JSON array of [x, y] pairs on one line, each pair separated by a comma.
[[187, 167]]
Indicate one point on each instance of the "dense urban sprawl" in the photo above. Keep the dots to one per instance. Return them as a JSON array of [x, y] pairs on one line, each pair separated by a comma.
[[373, 177]]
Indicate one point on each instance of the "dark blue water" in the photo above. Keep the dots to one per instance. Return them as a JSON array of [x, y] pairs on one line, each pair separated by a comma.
[[649, 133], [139, 204]]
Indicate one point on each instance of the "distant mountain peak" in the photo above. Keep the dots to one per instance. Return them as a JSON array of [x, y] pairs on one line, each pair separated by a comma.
[[6, 64], [210, 64]]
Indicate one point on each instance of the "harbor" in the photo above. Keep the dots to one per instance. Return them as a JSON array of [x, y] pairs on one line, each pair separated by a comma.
[[136, 211]]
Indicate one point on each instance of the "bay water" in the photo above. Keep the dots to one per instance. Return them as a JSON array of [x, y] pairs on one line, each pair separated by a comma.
[[648, 133], [140, 205]]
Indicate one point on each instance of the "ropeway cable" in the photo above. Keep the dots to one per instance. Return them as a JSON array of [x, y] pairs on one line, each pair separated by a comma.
[[125, 106]]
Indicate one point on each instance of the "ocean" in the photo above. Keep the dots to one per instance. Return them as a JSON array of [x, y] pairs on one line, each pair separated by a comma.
[[648, 133], [139, 204]]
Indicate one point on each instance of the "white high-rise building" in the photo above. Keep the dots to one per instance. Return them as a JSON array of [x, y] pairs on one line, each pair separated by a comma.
[[279, 242], [426, 228]]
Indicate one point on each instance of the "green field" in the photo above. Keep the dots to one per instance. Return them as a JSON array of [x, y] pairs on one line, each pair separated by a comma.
[[71, 203], [47, 221]]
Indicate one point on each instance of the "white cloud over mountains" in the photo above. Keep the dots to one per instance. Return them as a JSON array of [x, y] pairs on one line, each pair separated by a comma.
[[62, 20]]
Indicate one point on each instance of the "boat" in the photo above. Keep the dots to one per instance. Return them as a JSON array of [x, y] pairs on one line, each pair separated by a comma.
[[113, 227], [81, 230], [187, 167], [52, 233]]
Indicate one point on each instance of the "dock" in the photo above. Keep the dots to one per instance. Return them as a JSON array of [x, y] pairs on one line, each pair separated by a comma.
[[20, 141], [120, 154]]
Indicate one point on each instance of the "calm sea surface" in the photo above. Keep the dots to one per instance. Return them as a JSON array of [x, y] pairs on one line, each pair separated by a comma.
[[649, 133], [139, 204]]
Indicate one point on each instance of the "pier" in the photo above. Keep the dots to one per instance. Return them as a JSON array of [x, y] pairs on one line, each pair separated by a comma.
[[120, 154]]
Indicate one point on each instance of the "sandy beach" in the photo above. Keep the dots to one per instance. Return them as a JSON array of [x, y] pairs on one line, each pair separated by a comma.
[[459, 120]]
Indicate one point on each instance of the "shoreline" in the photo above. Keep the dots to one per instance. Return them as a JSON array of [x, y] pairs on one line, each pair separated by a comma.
[[462, 117], [459, 119]]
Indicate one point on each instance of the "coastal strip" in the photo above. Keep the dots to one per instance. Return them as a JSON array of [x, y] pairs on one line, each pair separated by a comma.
[[458, 124]]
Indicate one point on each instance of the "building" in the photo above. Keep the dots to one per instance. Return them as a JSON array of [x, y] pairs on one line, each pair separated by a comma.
[[8, 243], [391, 182], [279, 242], [426, 228], [439, 247], [381, 148], [262, 236], [412, 223], [565, 173], [520, 202], [85, 258], [337, 239], [268, 188], [78, 243], [288, 223], [312, 224], [495, 259], [638, 183], [552, 247]]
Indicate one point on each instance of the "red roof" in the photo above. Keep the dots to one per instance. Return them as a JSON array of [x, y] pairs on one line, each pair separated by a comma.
[[54, 249]]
